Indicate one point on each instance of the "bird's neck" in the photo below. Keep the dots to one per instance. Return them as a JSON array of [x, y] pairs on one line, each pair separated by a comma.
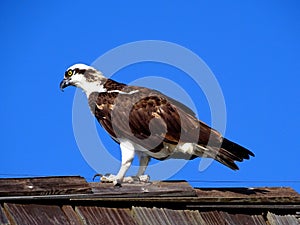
[[101, 85], [95, 86]]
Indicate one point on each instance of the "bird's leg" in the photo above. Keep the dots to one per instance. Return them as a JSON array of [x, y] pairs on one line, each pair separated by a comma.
[[127, 152], [144, 161]]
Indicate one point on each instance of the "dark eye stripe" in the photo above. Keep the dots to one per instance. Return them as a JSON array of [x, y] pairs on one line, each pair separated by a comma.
[[71, 72], [79, 71]]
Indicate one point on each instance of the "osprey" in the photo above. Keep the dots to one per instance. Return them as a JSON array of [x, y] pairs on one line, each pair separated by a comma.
[[148, 123]]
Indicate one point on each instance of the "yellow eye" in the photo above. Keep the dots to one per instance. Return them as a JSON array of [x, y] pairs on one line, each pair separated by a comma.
[[69, 73]]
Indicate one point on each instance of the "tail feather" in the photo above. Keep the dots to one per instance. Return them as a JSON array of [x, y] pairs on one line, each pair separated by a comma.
[[227, 160], [230, 152], [227, 154], [236, 149]]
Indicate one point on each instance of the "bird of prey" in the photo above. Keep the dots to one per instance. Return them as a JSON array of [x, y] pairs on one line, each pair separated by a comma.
[[148, 123]]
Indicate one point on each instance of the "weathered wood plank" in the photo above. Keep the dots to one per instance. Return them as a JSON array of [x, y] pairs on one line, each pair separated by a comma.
[[261, 195], [43, 186], [156, 188], [246, 192]]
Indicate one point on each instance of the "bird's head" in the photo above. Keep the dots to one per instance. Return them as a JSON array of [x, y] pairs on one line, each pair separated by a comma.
[[82, 76]]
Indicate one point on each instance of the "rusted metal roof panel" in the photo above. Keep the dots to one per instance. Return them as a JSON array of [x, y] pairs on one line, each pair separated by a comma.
[[242, 219], [3, 218], [274, 219], [144, 215], [48, 214], [73, 217], [102, 215], [258, 220], [30, 214], [44, 186], [212, 217], [194, 216], [172, 216], [255, 219], [225, 218], [184, 216]]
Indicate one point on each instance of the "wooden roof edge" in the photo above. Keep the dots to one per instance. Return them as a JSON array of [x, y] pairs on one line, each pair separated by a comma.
[[201, 202], [192, 203], [76, 188]]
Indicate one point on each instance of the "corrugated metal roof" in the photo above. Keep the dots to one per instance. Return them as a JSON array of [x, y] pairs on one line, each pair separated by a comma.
[[212, 217], [3, 218], [71, 200], [274, 219], [258, 220], [35, 214], [155, 215], [103, 215], [73, 217], [30, 214], [242, 219]]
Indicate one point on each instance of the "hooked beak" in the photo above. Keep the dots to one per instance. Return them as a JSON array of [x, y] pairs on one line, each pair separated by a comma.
[[64, 83]]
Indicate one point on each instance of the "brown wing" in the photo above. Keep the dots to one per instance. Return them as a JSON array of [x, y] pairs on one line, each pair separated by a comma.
[[150, 118], [178, 122]]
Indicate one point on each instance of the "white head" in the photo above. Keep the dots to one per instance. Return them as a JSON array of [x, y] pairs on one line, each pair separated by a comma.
[[85, 77]]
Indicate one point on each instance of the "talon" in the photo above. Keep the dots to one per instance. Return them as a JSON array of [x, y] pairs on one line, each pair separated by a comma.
[[117, 183], [144, 178], [105, 179], [129, 179], [136, 179], [108, 178], [97, 175]]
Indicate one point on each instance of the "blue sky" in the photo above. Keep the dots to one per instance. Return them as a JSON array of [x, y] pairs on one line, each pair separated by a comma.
[[252, 48]]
